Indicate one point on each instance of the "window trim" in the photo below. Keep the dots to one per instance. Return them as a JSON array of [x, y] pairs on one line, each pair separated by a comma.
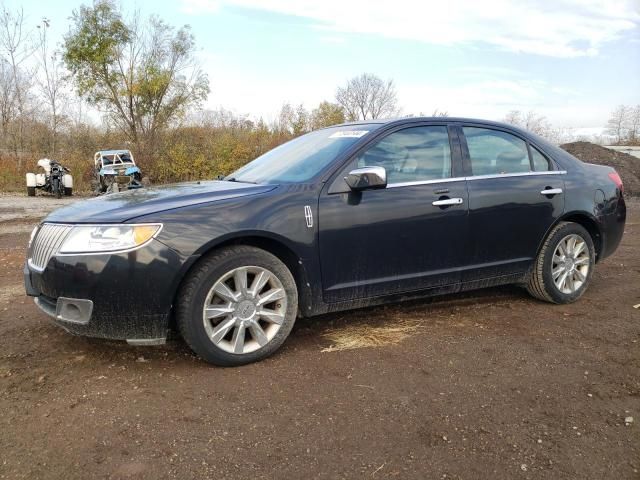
[[532, 147]]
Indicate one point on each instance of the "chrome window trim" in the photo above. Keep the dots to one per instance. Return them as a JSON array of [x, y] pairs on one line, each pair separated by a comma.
[[475, 177], [425, 182], [519, 174]]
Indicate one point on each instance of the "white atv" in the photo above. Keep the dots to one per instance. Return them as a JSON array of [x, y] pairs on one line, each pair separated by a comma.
[[56, 179]]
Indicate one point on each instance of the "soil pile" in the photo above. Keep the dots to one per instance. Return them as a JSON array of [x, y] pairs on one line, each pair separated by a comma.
[[626, 165]]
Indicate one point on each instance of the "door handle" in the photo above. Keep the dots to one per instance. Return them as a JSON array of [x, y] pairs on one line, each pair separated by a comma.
[[551, 191], [447, 201]]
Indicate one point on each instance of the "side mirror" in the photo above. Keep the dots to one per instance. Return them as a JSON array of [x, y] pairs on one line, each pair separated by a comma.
[[366, 178]]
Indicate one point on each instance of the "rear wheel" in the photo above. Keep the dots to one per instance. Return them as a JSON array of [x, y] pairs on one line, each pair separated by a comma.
[[31, 191], [564, 266], [68, 191], [238, 306]]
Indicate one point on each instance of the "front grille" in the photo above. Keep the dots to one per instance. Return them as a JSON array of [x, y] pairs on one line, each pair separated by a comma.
[[46, 243]]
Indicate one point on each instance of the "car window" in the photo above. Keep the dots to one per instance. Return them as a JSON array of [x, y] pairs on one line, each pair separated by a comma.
[[411, 155], [495, 152], [540, 162]]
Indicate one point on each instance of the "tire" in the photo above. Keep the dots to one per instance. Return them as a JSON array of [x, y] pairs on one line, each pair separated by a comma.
[[541, 283], [68, 191], [218, 340], [31, 191], [56, 188]]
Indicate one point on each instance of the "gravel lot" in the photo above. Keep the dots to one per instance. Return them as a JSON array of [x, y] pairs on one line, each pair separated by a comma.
[[492, 384]]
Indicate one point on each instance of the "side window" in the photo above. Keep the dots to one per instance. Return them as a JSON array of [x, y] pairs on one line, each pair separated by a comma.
[[540, 162], [411, 155], [495, 152]]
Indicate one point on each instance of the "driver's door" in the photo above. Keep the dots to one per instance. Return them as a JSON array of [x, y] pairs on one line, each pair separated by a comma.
[[408, 236]]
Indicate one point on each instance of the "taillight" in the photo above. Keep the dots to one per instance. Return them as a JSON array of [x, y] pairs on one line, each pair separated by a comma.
[[617, 180]]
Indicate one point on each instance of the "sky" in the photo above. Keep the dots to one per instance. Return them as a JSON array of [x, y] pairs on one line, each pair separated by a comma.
[[572, 61]]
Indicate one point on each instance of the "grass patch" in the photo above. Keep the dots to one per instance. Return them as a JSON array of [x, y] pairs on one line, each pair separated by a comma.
[[365, 335]]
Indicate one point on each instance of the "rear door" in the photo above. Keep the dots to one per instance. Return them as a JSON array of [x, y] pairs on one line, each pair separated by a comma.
[[408, 236], [515, 195]]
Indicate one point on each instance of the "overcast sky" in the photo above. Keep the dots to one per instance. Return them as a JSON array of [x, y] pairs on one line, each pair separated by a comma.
[[572, 61]]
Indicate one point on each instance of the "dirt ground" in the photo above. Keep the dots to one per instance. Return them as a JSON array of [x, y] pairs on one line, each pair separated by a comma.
[[492, 384]]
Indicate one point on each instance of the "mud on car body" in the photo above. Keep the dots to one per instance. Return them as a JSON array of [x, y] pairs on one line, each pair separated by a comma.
[[349, 216]]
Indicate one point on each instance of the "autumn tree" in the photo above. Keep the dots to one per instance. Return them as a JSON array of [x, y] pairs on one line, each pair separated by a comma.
[[326, 114], [142, 74], [367, 97]]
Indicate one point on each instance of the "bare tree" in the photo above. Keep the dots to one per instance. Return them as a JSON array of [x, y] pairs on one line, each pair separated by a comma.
[[51, 83], [530, 121], [367, 96], [633, 126], [16, 47], [617, 123]]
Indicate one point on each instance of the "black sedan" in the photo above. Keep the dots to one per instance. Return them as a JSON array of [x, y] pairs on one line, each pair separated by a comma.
[[345, 217]]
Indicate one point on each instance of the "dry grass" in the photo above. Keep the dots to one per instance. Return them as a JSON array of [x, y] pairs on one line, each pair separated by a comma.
[[365, 335]]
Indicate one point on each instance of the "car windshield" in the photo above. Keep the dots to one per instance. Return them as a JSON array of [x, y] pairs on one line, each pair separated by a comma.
[[302, 158]]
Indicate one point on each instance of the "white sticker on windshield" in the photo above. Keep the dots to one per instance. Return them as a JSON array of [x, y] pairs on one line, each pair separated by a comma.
[[349, 134]]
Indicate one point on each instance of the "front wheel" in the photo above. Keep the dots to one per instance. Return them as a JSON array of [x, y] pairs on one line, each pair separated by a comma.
[[56, 188], [237, 306], [564, 266]]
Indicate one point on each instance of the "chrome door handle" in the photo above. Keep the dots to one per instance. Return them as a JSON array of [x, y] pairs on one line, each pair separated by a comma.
[[447, 201], [551, 191]]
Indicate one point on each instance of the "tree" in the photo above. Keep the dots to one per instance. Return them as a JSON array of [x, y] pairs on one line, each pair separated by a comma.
[[530, 121], [51, 83], [617, 123], [366, 97], [142, 77], [16, 49], [326, 114], [633, 126], [290, 121]]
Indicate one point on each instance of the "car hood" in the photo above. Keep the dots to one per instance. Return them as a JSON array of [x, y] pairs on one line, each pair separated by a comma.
[[120, 207]]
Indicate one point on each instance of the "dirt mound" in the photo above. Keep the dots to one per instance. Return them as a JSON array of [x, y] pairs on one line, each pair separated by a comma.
[[626, 165]]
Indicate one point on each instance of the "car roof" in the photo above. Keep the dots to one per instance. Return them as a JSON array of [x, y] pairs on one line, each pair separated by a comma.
[[400, 120], [112, 152]]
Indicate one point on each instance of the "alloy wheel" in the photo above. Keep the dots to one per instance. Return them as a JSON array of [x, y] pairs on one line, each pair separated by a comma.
[[570, 264], [244, 309]]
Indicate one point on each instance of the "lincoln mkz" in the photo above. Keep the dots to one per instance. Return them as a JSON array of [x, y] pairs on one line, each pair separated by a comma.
[[349, 216]]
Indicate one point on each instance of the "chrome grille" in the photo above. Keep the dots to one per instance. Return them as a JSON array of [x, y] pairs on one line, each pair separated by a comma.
[[46, 243]]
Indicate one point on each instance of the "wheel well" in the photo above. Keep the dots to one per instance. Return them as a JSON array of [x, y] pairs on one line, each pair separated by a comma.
[[591, 226], [284, 254]]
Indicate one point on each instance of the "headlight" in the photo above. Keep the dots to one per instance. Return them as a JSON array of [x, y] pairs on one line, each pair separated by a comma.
[[108, 238]]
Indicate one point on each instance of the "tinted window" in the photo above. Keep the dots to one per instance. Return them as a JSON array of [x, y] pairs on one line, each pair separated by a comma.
[[302, 158], [411, 155], [495, 152], [540, 162]]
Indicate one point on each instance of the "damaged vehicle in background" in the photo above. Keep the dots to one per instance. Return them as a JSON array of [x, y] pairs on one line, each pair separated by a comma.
[[55, 179], [116, 170], [345, 217]]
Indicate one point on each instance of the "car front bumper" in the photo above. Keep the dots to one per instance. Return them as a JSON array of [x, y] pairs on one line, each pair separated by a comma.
[[120, 296]]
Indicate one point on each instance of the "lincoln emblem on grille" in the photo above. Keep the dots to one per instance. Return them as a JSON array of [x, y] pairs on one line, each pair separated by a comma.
[[308, 216]]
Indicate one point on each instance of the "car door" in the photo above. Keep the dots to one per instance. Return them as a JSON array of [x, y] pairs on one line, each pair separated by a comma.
[[515, 196], [407, 236]]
